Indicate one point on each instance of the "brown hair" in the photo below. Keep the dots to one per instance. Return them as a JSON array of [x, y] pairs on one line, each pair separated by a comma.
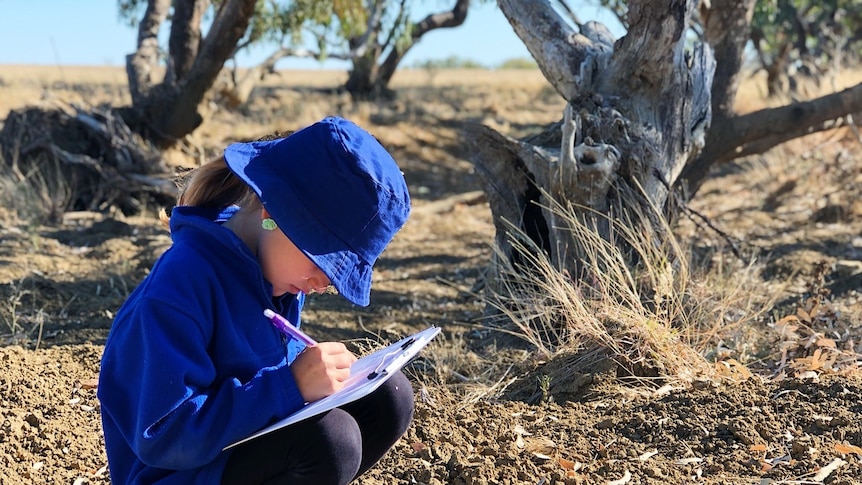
[[212, 185]]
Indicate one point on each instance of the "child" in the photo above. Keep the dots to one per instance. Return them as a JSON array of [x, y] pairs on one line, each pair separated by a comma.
[[192, 364]]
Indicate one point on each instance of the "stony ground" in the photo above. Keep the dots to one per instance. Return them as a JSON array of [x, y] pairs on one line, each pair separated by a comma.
[[482, 417]]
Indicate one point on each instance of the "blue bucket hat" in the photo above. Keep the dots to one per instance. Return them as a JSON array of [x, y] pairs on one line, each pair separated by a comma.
[[334, 191]]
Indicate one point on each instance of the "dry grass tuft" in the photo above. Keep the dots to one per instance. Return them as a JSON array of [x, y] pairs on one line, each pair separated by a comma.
[[34, 197], [659, 320]]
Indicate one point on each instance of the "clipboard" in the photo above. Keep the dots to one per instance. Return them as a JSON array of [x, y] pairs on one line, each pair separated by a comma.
[[366, 375]]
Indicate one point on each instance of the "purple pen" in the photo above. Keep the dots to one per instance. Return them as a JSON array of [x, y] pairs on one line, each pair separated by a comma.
[[287, 328]]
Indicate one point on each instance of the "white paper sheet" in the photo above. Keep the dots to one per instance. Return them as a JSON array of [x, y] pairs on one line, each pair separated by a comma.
[[366, 375]]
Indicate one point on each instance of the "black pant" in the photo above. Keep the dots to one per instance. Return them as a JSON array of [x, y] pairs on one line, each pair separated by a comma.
[[331, 448]]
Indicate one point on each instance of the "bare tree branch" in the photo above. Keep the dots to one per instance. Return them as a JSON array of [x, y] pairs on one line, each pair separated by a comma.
[[761, 130], [452, 18], [449, 19], [141, 64], [556, 47], [185, 36], [227, 29], [239, 93], [570, 12], [739, 136]]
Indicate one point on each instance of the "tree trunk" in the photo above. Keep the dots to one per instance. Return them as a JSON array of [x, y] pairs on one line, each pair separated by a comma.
[[369, 79], [165, 112], [777, 81], [644, 119], [726, 25], [185, 38], [103, 158], [363, 81], [638, 110], [140, 65], [113, 158]]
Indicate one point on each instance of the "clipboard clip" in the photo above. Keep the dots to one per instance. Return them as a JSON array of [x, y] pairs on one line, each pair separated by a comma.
[[381, 368]]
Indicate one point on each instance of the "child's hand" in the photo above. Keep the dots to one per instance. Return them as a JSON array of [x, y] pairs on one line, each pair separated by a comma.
[[321, 369]]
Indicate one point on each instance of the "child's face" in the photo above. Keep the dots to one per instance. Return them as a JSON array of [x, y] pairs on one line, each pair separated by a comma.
[[286, 267]]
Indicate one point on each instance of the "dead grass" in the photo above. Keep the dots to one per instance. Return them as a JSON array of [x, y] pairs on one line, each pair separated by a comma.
[[34, 198], [662, 321]]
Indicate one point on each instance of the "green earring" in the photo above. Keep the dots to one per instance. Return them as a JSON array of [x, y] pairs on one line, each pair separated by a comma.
[[268, 224]]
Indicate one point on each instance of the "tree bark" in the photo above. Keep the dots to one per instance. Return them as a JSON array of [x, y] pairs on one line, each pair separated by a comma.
[[185, 37], [726, 25], [558, 50], [756, 132], [363, 81], [141, 64]]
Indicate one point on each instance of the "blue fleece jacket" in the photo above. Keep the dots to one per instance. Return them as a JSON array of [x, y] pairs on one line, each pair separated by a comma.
[[191, 363]]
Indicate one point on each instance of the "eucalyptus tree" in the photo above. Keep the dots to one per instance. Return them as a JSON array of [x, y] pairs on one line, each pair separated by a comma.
[[373, 36], [805, 40], [165, 107], [647, 116]]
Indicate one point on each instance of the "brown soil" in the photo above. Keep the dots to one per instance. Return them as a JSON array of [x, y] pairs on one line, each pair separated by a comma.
[[482, 416]]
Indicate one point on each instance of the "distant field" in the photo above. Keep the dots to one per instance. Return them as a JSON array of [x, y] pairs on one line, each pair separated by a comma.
[[33, 74], [21, 85]]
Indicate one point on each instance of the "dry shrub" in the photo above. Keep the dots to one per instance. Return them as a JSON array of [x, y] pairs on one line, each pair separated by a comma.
[[641, 309], [33, 195], [470, 376], [85, 160]]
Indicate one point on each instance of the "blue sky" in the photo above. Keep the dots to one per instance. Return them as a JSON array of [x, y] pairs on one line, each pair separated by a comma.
[[89, 32]]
